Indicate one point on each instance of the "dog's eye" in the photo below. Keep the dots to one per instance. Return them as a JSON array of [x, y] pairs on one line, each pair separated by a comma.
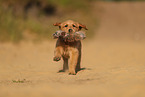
[[66, 26], [74, 26]]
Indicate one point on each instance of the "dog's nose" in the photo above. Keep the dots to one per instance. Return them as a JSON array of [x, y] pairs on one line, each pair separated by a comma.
[[70, 30]]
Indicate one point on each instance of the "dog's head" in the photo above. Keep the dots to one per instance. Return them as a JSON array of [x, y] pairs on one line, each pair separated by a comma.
[[70, 27]]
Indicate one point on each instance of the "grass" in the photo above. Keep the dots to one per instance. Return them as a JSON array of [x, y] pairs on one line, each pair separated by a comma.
[[13, 28], [19, 81], [9, 27]]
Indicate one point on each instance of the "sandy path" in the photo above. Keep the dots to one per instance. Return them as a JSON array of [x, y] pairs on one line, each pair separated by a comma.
[[113, 68]]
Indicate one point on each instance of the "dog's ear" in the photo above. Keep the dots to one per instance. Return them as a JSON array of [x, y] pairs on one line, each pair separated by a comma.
[[57, 24], [82, 26]]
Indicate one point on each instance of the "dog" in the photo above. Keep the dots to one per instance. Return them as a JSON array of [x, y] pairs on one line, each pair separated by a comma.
[[68, 45]]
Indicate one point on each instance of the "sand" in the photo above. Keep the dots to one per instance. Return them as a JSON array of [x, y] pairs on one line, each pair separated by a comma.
[[113, 63]]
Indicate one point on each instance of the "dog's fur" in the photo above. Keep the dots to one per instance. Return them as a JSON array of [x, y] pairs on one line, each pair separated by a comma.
[[69, 50]]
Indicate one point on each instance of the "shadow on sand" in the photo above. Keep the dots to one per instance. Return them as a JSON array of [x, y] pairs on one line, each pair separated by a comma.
[[76, 70]]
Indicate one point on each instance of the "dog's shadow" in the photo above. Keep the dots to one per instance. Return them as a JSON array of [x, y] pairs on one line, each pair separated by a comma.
[[82, 69]]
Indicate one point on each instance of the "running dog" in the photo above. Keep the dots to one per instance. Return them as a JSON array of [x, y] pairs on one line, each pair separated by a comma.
[[68, 45]]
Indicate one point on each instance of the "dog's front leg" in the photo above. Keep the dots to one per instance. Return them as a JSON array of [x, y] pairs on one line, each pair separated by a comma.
[[73, 53], [58, 53]]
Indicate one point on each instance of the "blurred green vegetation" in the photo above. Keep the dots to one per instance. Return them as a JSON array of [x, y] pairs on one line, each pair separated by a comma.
[[123, 0], [33, 19]]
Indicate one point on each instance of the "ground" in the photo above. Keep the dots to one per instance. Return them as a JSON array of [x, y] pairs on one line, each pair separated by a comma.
[[113, 62]]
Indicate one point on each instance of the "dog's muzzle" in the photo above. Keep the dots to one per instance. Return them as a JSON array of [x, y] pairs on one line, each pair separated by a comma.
[[70, 37], [70, 30]]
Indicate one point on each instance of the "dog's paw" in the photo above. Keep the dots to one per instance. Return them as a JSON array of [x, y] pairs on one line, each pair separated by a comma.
[[72, 73], [56, 58]]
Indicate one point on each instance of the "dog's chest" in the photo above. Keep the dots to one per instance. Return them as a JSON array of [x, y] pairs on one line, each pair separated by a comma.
[[66, 51]]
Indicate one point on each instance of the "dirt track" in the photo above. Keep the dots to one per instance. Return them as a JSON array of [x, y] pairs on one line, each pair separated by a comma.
[[113, 64]]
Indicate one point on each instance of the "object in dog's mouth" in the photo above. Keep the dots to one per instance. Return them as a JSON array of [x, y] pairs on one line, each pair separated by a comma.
[[79, 35], [58, 33], [69, 38]]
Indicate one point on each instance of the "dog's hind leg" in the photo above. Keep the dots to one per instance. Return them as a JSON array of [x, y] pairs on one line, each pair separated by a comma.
[[65, 64], [78, 67]]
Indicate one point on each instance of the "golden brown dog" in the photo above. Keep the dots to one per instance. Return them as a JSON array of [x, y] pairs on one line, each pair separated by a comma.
[[69, 48]]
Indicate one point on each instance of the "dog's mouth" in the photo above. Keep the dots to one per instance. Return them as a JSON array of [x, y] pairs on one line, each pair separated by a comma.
[[70, 37]]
